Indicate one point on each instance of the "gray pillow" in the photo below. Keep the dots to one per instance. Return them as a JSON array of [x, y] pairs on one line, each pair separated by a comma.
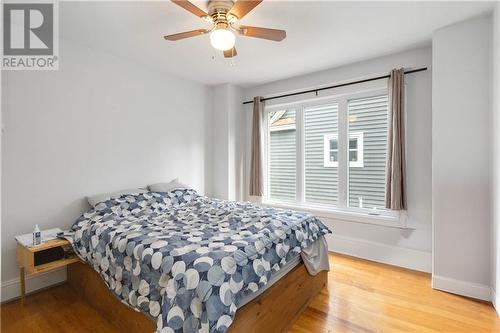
[[167, 187], [95, 199]]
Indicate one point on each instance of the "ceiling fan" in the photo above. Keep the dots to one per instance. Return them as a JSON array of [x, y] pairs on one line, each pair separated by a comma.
[[225, 16]]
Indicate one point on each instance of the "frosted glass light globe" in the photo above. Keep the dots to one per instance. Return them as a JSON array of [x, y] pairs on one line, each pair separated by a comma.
[[222, 39]]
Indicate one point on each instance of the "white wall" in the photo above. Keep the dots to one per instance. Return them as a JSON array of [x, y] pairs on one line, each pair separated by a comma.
[[461, 159], [97, 124], [220, 148], [405, 247], [238, 116], [496, 160], [227, 150]]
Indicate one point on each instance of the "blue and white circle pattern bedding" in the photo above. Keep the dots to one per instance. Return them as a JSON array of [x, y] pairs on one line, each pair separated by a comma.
[[187, 260]]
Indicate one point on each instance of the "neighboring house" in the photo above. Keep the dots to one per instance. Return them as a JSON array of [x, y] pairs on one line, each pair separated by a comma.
[[282, 155], [367, 153]]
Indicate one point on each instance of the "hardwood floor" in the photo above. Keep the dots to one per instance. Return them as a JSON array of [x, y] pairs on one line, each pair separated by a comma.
[[57, 309], [362, 296]]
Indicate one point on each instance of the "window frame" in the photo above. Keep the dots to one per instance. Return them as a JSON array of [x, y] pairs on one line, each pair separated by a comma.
[[359, 163], [327, 150], [340, 211]]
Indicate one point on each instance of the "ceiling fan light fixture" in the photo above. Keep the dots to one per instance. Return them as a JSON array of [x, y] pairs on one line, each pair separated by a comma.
[[224, 17], [222, 39]]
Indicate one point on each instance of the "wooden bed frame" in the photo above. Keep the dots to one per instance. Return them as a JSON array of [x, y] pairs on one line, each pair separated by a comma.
[[275, 310]]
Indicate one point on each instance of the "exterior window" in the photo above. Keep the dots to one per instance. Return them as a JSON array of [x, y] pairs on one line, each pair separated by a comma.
[[328, 152], [356, 150], [331, 150]]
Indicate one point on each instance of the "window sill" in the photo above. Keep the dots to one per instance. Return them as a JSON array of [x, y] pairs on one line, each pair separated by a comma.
[[385, 219]]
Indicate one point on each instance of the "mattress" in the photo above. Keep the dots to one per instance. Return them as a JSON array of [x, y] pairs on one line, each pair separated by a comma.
[[275, 277], [315, 258]]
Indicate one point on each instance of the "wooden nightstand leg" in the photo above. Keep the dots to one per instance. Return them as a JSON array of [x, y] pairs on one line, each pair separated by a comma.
[[22, 283]]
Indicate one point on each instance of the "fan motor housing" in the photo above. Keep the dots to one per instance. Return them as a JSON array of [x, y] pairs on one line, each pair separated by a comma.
[[218, 11], [219, 5]]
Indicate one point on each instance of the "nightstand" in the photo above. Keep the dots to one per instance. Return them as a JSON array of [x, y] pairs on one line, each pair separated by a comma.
[[47, 256]]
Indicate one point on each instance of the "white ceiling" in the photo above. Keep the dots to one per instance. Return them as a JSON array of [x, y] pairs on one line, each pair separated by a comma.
[[320, 34]]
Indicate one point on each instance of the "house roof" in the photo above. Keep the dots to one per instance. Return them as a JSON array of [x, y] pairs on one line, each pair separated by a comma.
[[283, 121]]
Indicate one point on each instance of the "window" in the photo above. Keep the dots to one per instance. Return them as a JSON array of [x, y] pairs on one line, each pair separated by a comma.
[[328, 152], [282, 152], [331, 150], [320, 182], [366, 177], [356, 150]]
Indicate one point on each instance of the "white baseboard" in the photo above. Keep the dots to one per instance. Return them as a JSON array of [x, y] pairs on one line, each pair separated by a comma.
[[495, 301], [464, 288], [383, 253], [10, 289]]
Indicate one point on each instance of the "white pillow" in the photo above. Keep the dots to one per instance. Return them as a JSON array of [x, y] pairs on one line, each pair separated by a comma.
[[167, 187], [95, 199]]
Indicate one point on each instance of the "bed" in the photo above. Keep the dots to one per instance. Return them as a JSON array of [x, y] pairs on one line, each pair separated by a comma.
[[187, 263]]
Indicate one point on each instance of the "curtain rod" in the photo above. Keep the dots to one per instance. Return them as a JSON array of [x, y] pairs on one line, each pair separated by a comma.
[[338, 85]]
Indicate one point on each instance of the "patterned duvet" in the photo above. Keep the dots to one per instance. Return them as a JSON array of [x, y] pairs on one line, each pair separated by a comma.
[[187, 260]]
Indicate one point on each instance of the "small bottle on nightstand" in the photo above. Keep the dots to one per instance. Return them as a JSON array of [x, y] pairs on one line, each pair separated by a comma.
[[37, 237]]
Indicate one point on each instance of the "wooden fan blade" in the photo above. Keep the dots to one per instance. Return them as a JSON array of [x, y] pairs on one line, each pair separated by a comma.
[[190, 7], [264, 33], [230, 53], [186, 34], [243, 7]]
